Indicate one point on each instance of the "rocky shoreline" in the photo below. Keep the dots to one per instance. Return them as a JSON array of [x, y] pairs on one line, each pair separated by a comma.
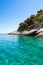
[[33, 32]]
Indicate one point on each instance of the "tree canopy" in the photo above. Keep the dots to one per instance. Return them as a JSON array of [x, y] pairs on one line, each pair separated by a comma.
[[31, 21]]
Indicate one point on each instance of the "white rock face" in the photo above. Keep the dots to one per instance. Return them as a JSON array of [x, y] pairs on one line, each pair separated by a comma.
[[23, 32], [28, 32], [39, 32], [40, 35], [15, 33]]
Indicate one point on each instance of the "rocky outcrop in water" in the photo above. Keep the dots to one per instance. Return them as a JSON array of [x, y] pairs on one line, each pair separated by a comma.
[[33, 32], [32, 26]]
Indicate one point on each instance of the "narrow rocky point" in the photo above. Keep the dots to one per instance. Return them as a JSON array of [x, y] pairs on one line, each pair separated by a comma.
[[32, 26]]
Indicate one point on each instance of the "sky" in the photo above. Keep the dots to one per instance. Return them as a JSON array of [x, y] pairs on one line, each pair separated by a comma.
[[13, 12]]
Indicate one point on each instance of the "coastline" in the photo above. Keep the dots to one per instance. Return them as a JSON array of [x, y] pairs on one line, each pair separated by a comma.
[[33, 32]]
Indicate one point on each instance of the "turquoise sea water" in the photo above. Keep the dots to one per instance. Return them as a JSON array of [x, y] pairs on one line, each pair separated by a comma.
[[21, 50]]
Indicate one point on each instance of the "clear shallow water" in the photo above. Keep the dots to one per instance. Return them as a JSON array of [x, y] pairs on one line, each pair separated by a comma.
[[21, 50]]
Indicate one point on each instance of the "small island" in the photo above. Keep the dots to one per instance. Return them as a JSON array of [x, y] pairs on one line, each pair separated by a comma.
[[32, 26]]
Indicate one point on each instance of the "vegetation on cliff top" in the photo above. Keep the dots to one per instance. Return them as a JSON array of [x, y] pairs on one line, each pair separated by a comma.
[[34, 21]]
